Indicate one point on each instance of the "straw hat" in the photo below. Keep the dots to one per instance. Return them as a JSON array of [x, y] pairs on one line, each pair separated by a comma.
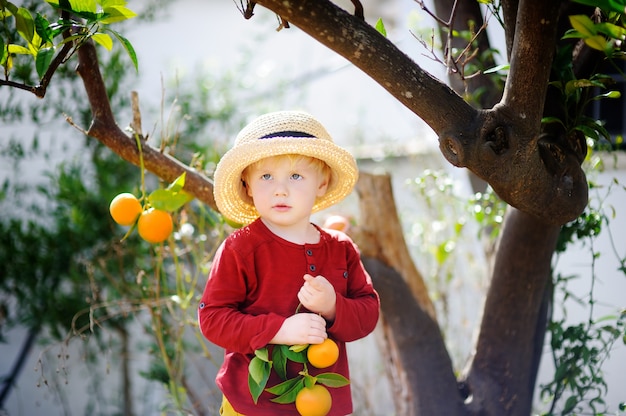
[[273, 134]]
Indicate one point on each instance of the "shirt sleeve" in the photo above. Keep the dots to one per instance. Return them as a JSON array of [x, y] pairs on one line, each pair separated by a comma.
[[357, 312], [220, 313]]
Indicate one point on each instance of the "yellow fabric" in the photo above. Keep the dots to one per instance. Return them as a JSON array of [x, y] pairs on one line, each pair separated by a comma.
[[227, 408]]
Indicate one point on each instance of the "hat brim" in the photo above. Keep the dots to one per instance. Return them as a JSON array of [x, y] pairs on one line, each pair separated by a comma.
[[231, 198]]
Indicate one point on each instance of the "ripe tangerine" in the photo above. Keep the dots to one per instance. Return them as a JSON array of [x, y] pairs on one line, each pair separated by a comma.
[[125, 208], [155, 225], [323, 355], [314, 401]]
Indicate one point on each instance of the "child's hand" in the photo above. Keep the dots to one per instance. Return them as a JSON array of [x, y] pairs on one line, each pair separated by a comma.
[[301, 328], [318, 295]]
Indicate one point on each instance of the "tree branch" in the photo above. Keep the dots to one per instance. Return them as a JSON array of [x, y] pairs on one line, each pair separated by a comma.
[[537, 23], [366, 48], [105, 129]]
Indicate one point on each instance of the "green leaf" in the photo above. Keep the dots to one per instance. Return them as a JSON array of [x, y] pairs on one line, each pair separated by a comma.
[[25, 24], [178, 183], [103, 39], [255, 388], [610, 94], [380, 27], [128, 47], [285, 386], [18, 49], [611, 30], [498, 68], [572, 85], [262, 354], [43, 59], [258, 374], [79, 6], [309, 380], [597, 42], [299, 347], [2, 51], [570, 404], [298, 357], [551, 119], [42, 27], [116, 13], [168, 200], [332, 380], [583, 24], [290, 395], [279, 358]]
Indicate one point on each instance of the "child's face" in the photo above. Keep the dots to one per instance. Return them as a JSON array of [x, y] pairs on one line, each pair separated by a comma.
[[284, 191]]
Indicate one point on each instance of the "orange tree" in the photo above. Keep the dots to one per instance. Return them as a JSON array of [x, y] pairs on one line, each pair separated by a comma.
[[526, 140]]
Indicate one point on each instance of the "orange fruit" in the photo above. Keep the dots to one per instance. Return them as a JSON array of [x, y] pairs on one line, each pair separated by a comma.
[[155, 225], [125, 208], [323, 355], [313, 401]]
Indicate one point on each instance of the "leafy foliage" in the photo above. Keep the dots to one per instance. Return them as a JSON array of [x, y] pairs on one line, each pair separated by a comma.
[[42, 39]]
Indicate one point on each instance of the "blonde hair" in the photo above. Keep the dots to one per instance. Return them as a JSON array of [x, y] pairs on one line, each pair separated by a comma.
[[319, 165]]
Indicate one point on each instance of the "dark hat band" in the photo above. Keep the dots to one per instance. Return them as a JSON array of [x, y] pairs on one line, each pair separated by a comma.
[[286, 134]]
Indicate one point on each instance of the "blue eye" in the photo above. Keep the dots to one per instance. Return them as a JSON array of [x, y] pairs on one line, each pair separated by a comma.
[[266, 176], [296, 176]]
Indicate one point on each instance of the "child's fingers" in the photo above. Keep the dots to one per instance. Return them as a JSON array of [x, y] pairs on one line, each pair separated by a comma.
[[318, 283]]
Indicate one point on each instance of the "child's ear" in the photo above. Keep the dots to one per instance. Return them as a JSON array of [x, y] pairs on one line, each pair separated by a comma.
[[323, 187], [246, 188]]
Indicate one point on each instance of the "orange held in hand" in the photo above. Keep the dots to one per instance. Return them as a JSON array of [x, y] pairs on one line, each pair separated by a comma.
[[155, 225], [323, 355], [313, 401], [125, 208]]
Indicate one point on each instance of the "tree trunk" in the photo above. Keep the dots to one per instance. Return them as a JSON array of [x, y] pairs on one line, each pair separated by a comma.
[[501, 375]]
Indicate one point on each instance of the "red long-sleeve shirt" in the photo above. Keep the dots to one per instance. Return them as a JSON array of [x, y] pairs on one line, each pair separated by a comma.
[[252, 288]]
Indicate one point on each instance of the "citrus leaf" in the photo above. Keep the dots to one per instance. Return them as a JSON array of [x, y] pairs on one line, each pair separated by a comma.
[[262, 354], [128, 47], [25, 24], [309, 380], [116, 13], [610, 94], [498, 68], [2, 51], [611, 30], [18, 49], [168, 200], [103, 39], [380, 27], [597, 42], [255, 388], [332, 380], [284, 387], [290, 395], [280, 361], [299, 347], [42, 27], [258, 374], [178, 183], [298, 357], [43, 59], [583, 24]]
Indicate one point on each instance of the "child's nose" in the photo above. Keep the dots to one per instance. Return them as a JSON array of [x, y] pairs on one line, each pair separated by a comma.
[[280, 189]]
